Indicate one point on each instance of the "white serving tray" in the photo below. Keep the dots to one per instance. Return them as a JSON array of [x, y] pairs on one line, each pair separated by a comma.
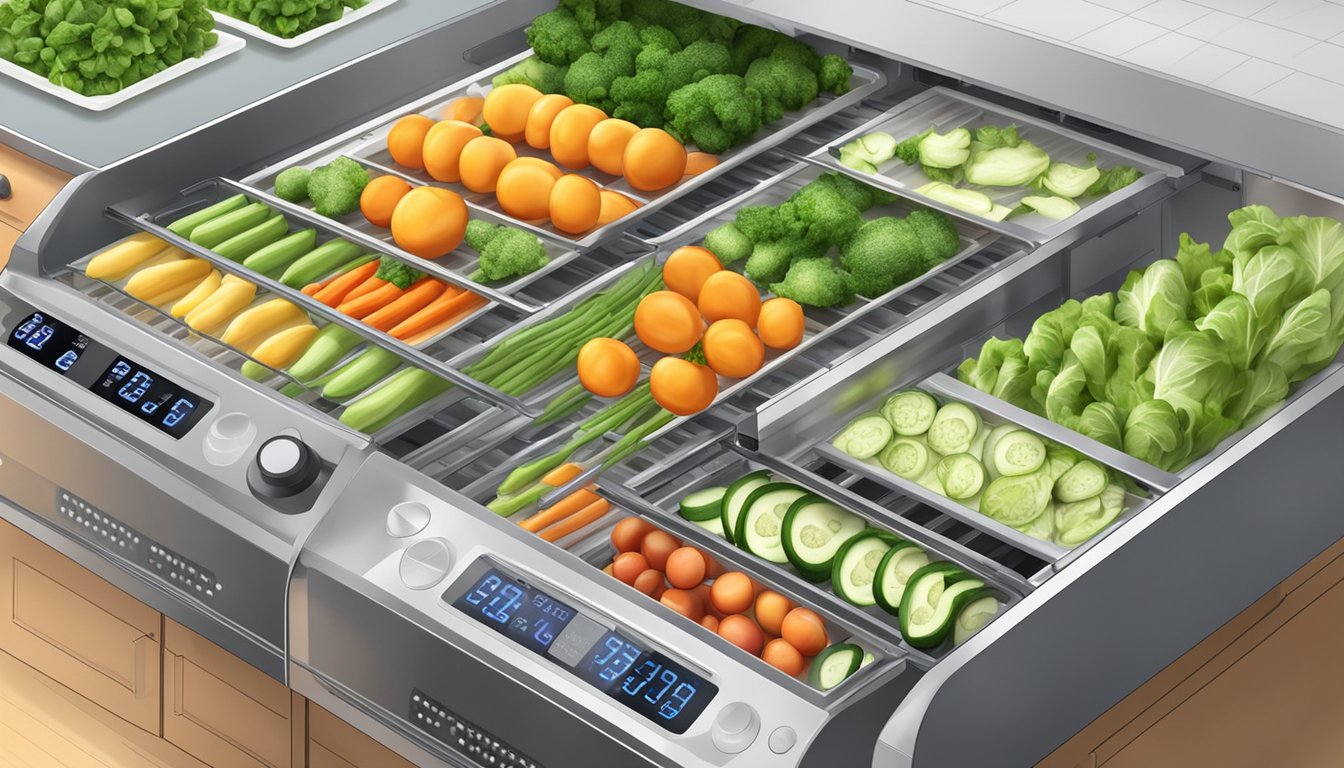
[[227, 44], [251, 30]]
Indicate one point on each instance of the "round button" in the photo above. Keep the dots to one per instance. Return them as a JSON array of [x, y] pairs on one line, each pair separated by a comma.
[[280, 457], [735, 728], [425, 563], [782, 739], [286, 466], [228, 439], [407, 519]]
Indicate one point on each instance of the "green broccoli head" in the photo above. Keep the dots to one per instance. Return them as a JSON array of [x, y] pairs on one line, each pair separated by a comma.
[[815, 282], [884, 253], [858, 194], [557, 37], [785, 84], [938, 233], [764, 223], [292, 184], [769, 261], [532, 71], [621, 37], [716, 114], [751, 43], [334, 188], [796, 50], [835, 74], [687, 23], [696, 61], [591, 78], [654, 36], [728, 243], [480, 233], [511, 252], [641, 99], [908, 150], [592, 15], [828, 217], [356, 173]]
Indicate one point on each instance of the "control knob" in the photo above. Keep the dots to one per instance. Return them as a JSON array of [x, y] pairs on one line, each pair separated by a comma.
[[286, 466]]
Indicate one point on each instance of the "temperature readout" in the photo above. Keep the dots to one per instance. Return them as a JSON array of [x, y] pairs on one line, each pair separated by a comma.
[[49, 341], [641, 679]]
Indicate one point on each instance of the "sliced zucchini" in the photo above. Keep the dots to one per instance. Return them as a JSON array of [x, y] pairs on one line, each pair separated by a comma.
[[760, 527], [1080, 521], [834, 665], [933, 598], [953, 429], [1018, 453], [1016, 500], [1083, 480], [1050, 207], [908, 457], [868, 658], [977, 449], [1060, 459], [713, 525], [735, 498], [855, 565], [814, 530], [894, 572], [704, 504], [930, 481], [865, 436], [1043, 527], [987, 452], [961, 476], [910, 412], [973, 616]]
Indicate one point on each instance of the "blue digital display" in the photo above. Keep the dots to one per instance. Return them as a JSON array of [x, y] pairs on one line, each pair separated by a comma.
[[529, 617]]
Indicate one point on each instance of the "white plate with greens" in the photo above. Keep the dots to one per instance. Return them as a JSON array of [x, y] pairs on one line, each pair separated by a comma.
[[349, 17]]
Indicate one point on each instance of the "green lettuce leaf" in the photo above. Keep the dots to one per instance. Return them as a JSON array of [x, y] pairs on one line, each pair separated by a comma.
[[1293, 342], [1192, 371], [1050, 336], [1154, 299], [1156, 433], [1320, 243], [1273, 279], [1234, 322], [1261, 388], [1067, 395], [1104, 423]]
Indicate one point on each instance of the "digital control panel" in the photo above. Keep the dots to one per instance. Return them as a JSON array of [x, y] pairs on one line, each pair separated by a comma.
[[150, 397], [641, 678]]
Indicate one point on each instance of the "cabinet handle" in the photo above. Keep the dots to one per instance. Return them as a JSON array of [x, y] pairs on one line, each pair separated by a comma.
[[142, 648], [5, 189]]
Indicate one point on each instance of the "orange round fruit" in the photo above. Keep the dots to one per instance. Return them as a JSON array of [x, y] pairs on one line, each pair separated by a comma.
[[657, 547], [733, 592], [575, 204], [649, 582], [380, 197], [608, 367], [628, 535], [506, 108], [570, 132], [727, 294], [653, 160], [699, 162], [524, 189], [465, 108], [687, 269], [483, 158], [681, 386], [683, 602], [614, 206], [780, 324], [541, 115], [443, 148], [771, 608], [742, 632], [668, 322], [606, 144], [805, 630], [429, 222], [628, 565], [732, 350], [406, 140], [536, 162], [710, 622], [686, 568], [781, 655]]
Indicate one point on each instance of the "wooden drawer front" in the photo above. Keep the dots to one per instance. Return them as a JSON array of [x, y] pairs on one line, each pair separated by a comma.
[[79, 630], [32, 186], [334, 743], [219, 708], [8, 237]]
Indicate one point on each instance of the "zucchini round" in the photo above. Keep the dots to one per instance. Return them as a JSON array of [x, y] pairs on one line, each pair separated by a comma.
[[834, 665], [933, 597], [855, 565], [736, 496], [954, 428], [894, 572], [704, 504], [760, 527], [865, 436], [910, 412], [814, 530]]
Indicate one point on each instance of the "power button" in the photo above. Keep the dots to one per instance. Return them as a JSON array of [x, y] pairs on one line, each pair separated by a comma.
[[735, 728]]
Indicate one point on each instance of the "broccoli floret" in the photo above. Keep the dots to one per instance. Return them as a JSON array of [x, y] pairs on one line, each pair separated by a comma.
[[592, 15], [908, 150], [480, 233], [508, 253], [696, 61], [764, 223], [292, 184], [557, 37], [770, 261], [728, 243], [716, 114], [621, 37], [815, 283], [858, 194], [796, 50], [396, 273], [353, 171], [334, 188], [785, 84], [532, 71], [752, 43], [688, 24], [590, 79], [939, 235], [828, 217], [883, 254], [659, 37], [835, 74]]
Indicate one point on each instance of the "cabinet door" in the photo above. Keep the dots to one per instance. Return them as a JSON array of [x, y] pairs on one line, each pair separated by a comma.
[[79, 630], [334, 743], [32, 185], [221, 709], [8, 236]]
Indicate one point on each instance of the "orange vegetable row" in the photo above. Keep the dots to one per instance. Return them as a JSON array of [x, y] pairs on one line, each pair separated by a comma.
[[404, 314]]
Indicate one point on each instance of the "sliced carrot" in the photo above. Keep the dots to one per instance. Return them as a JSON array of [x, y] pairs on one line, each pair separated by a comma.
[[311, 289], [577, 520], [368, 286], [562, 474], [333, 293], [560, 510], [372, 301], [419, 295], [699, 162], [437, 312]]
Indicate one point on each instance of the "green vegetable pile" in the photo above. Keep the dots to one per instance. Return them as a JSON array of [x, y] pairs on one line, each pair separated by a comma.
[[97, 48], [505, 251], [706, 78], [286, 18], [1043, 489], [786, 246], [1189, 349], [990, 156], [333, 188]]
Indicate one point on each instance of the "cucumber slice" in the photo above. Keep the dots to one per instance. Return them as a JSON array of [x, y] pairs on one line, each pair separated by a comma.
[[908, 457], [1018, 453], [910, 412], [814, 530], [961, 475], [855, 565], [968, 200], [713, 525], [953, 428], [894, 572], [1080, 521], [998, 212], [973, 616], [1050, 207], [865, 436], [736, 497], [1043, 527], [1017, 500], [930, 480], [933, 597], [977, 449], [868, 658], [760, 527], [991, 441], [834, 665], [704, 504], [1060, 459], [1083, 480]]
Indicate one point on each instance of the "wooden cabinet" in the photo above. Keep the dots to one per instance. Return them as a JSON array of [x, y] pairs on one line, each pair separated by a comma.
[[334, 743], [8, 236], [79, 630], [32, 185]]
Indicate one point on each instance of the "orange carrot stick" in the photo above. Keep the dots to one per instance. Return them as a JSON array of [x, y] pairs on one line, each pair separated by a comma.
[[562, 474], [333, 293], [418, 296], [577, 520], [560, 510], [368, 286], [449, 304], [371, 302]]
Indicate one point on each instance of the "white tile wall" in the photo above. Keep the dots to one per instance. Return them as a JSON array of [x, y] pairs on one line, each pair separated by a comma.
[[1207, 63], [1322, 22], [1058, 19], [1251, 77], [1171, 14], [1120, 36]]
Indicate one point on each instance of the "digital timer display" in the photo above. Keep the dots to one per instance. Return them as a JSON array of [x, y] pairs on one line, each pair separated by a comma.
[[641, 679]]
